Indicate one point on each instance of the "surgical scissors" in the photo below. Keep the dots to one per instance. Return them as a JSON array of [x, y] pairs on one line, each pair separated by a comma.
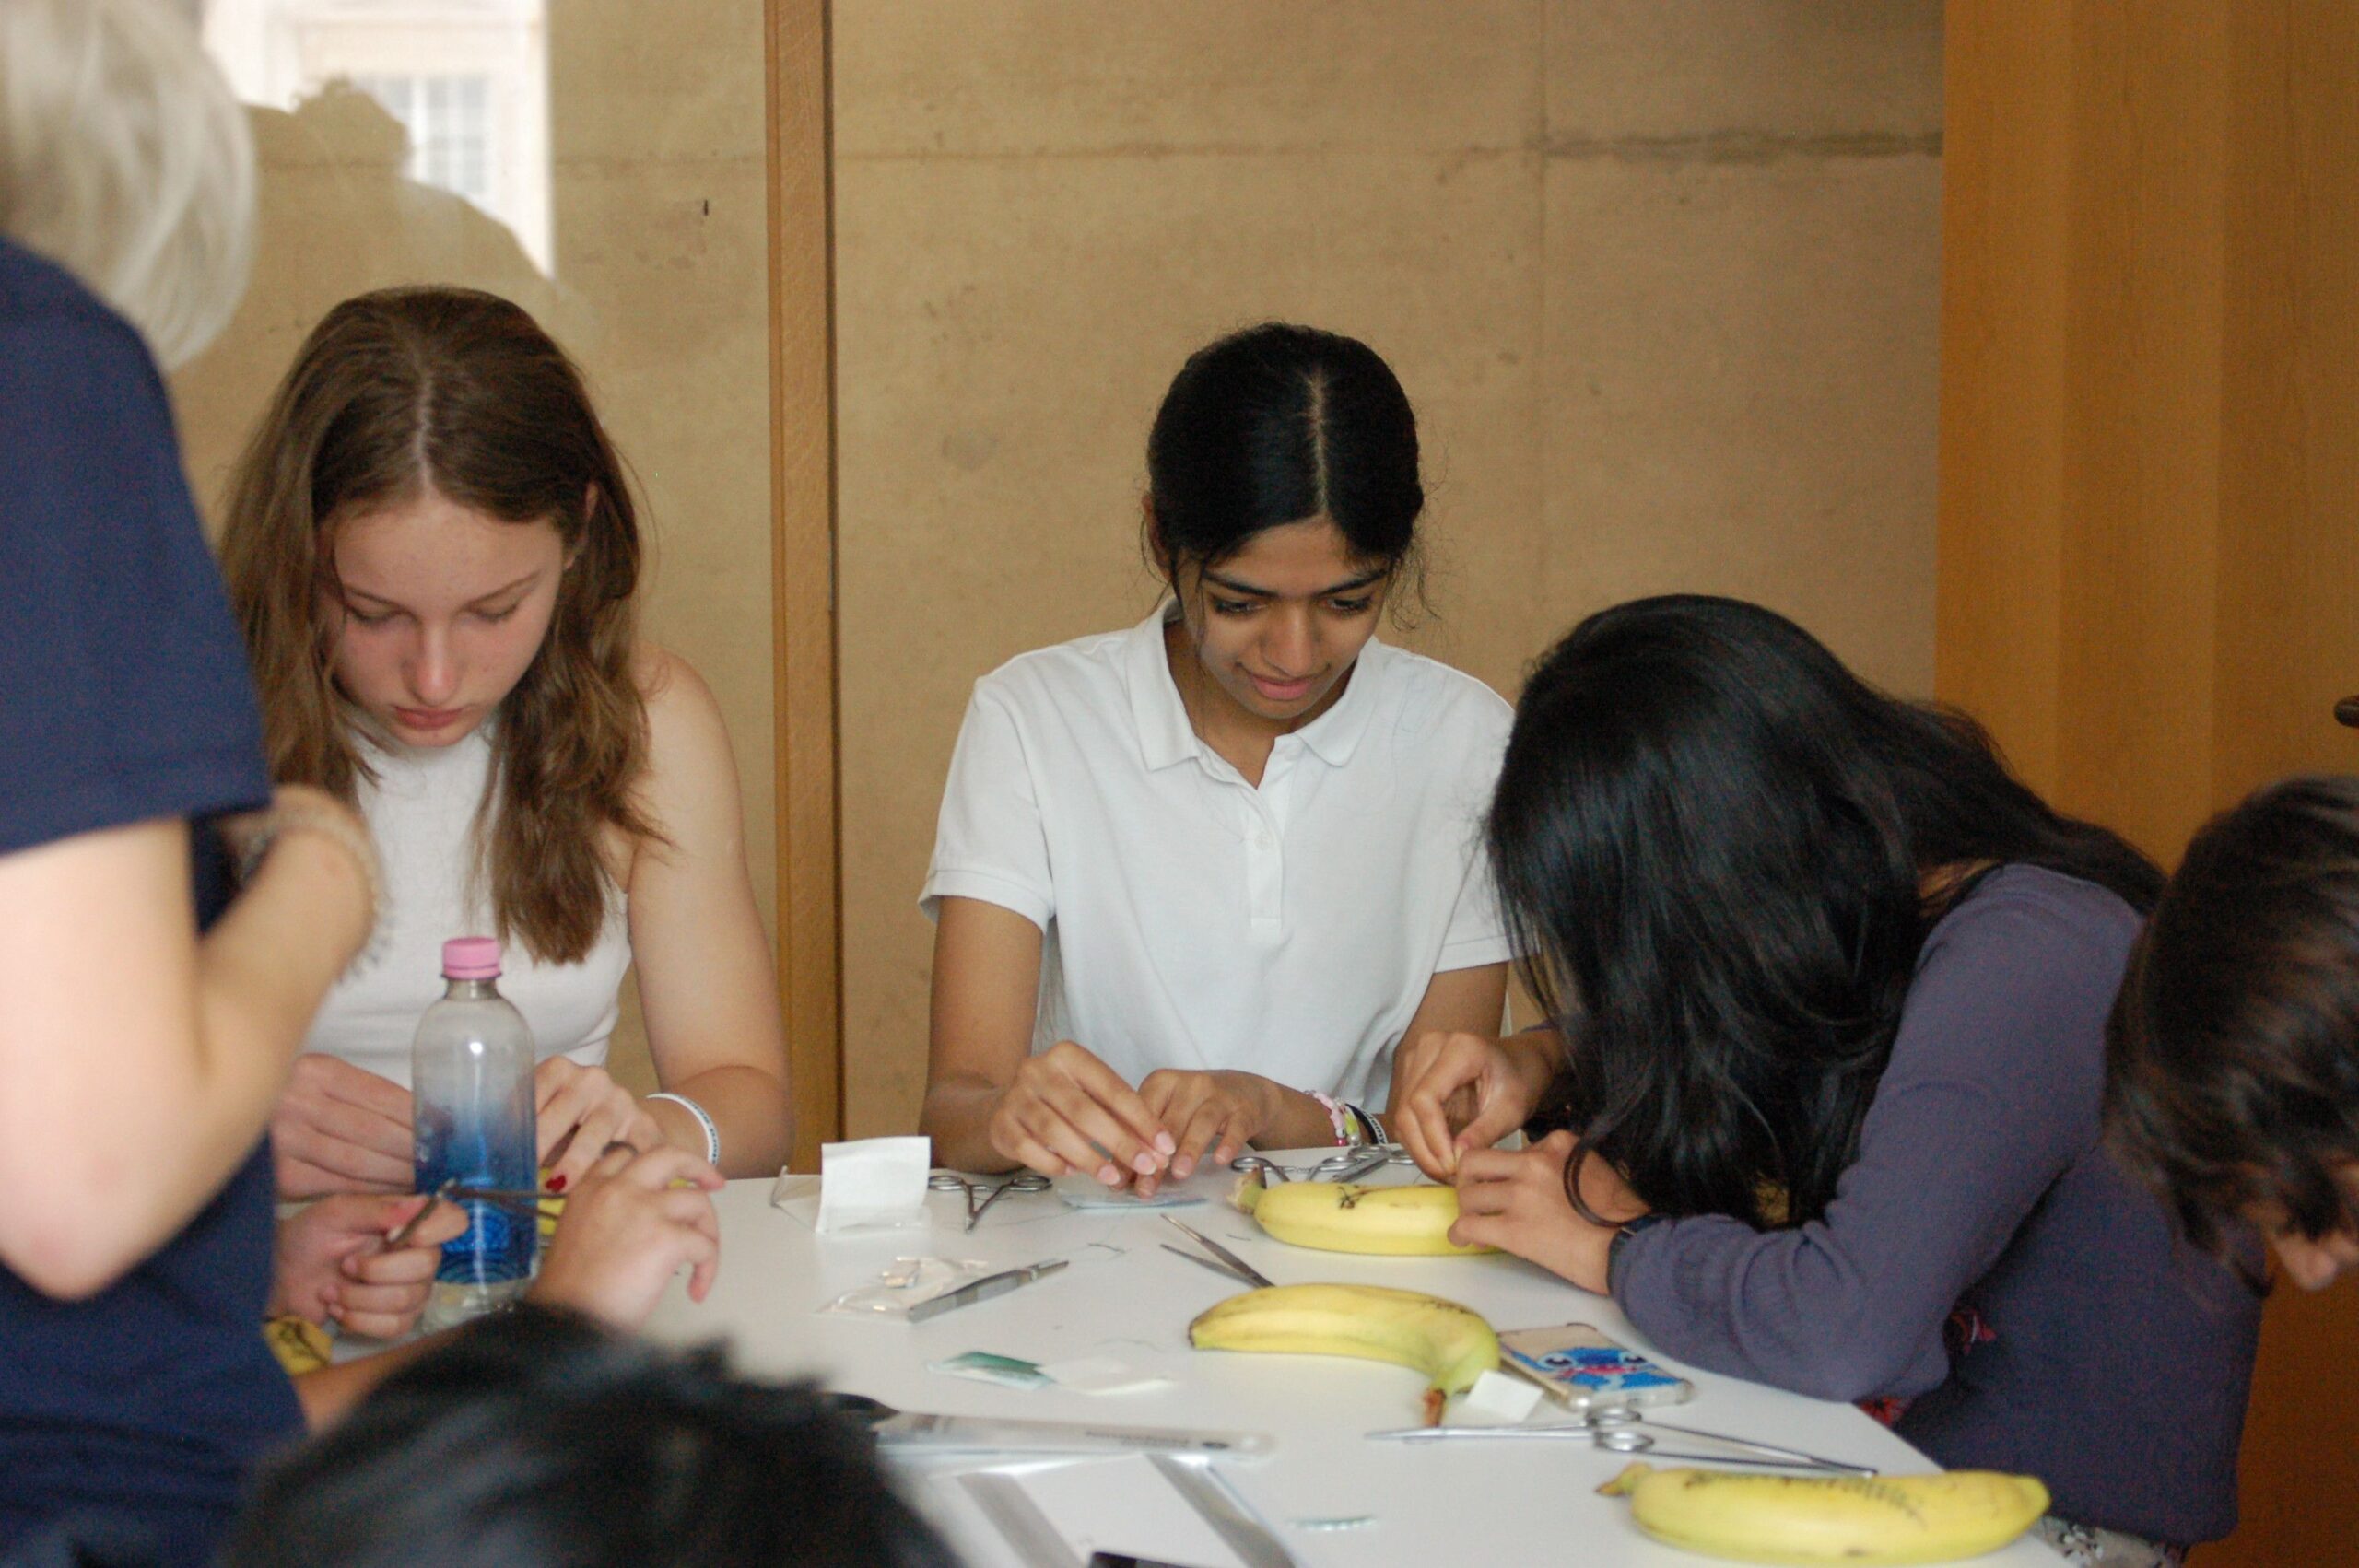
[[1344, 1164], [951, 1181], [1615, 1429]]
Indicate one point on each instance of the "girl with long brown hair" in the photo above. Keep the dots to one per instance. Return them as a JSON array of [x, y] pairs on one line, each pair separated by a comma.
[[432, 551]]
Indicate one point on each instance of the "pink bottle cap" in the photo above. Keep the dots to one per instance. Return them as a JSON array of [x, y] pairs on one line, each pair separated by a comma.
[[471, 958]]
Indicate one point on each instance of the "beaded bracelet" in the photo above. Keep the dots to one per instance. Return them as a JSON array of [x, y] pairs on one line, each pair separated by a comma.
[[1335, 1117]]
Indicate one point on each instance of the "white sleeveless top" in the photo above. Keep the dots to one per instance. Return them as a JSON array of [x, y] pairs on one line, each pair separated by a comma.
[[422, 811]]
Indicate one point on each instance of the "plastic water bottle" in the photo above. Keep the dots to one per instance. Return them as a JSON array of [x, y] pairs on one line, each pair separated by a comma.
[[470, 1081]]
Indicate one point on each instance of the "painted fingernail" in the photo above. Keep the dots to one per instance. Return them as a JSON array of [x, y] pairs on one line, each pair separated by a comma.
[[1163, 1141], [557, 1183], [1110, 1174], [1145, 1163]]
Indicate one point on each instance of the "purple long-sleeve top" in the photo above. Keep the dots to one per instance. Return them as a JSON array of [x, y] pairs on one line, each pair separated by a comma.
[[1984, 1256]]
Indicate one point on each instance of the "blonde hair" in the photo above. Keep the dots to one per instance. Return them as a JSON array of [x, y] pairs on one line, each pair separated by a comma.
[[125, 160]]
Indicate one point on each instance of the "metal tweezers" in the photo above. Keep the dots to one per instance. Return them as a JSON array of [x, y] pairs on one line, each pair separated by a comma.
[[1222, 1261], [514, 1201]]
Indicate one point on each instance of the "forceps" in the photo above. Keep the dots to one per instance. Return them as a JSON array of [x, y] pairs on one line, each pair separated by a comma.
[[523, 1204], [1342, 1165], [1229, 1263], [1615, 1429], [951, 1181]]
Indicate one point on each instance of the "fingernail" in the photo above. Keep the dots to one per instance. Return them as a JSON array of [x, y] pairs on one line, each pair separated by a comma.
[[1145, 1163], [1183, 1167], [1110, 1173], [1163, 1143], [557, 1183]]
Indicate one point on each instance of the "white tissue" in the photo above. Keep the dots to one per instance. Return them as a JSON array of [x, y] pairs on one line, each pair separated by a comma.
[[1496, 1399], [873, 1182]]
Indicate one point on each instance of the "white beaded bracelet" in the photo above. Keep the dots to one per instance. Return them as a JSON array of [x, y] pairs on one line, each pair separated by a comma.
[[704, 1120]]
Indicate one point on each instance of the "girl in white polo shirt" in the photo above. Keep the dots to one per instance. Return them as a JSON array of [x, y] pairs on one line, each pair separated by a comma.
[[1193, 882]]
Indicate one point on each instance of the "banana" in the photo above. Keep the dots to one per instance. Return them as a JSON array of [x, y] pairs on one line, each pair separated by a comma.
[[1449, 1344], [299, 1344], [1349, 1217], [1859, 1522]]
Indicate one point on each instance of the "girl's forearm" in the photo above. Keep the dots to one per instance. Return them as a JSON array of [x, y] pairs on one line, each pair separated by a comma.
[[751, 1109], [127, 1180], [958, 1117]]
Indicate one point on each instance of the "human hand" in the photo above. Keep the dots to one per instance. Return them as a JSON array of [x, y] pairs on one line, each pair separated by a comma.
[[1068, 1111], [1514, 1200], [1454, 1093], [333, 1264], [338, 1128], [1221, 1112], [627, 1230], [577, 1112]]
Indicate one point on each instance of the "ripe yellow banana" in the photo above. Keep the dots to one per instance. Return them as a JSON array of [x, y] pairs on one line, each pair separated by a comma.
[[1345, 1216], [1860, 1522], [1449, 1344], [300, 1344]]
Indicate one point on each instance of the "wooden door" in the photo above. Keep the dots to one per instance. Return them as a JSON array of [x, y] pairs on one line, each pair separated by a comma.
[[802, 491], [2150, 459]]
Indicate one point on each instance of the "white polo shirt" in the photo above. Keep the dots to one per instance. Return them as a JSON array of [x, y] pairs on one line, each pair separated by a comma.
[[1191, 920]]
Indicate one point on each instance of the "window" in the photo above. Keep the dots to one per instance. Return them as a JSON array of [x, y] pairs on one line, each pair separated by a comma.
[[449, 120]]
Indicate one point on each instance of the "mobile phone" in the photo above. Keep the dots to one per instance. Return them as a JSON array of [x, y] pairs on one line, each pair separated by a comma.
[[1581, 1368]]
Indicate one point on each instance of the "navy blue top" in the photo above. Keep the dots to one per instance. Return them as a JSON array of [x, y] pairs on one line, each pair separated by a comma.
[[1983, 1257], [123, 697]]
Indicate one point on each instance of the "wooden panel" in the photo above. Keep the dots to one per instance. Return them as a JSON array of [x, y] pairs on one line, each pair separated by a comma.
[[2006, 231], [803, 560], [2081, 290], [2149, 570], [2147, 141], [2289, 635]]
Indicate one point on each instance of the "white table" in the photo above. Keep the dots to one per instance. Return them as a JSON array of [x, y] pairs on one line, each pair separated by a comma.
[[1458, 1502]]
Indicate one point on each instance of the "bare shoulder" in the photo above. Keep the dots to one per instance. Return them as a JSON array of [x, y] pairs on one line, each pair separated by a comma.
[[683, 715], [689, 789]]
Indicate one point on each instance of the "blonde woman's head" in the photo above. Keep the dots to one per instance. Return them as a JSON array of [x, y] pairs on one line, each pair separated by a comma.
[[124, 159]]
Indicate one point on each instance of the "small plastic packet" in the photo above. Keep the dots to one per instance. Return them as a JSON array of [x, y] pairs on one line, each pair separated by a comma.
[[1007, 1371], [907, 1283]]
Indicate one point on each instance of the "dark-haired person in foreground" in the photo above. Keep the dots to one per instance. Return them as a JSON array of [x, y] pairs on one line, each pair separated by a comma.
[[1241, 840], [536, 1439], [2234, 1050], [1831, 989]]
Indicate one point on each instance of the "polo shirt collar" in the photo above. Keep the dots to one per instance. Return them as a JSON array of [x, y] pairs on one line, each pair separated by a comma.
[[1165, 737], [1335, 734]]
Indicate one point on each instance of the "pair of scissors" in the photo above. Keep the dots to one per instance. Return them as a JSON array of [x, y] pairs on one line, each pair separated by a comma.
[[951, 1181], [1344, 1164], [1222, 1261], [1616, 1430]]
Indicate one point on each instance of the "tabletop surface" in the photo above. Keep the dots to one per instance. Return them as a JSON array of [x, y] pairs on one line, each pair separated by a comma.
[[1123, 1295]]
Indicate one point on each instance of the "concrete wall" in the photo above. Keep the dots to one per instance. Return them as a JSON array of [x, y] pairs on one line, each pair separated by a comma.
[[1660, 275]]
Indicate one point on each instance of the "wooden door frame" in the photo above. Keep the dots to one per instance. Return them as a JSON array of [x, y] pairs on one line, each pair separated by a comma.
[[803, 563]]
